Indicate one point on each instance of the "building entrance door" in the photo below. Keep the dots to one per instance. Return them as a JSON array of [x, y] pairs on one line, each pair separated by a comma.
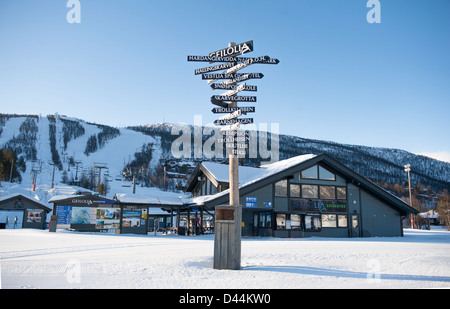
[[262, 224], [355, 225], [255, 224]]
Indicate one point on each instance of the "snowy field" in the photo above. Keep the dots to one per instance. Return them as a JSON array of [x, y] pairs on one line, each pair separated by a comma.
[[39, 259]]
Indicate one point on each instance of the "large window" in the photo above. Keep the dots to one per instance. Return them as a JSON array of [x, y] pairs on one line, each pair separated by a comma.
[[281, 188], [325, 174], [329, 221], [341, 193], [310, 191], [265, 219], [342, 220], [295, 190], [317, 172], [312, 223], [328, 192], [281, 221], [309, 173], [332, 220], [295, 221]]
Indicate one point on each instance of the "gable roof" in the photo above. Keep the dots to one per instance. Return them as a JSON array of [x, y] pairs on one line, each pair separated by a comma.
[[19, 196], [251, 179], [218, 173]]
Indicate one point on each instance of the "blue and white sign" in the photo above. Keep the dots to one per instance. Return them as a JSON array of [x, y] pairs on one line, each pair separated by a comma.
[[268, 204], [250, 202], [64, 214]]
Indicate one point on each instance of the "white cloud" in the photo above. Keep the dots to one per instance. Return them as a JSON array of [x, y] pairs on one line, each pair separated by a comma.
[[438, 155]]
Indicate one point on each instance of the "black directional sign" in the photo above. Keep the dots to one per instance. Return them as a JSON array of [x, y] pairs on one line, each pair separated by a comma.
[[238, 49], [232, 87], [233, 98], [225, 77], [225, 110], [221, 102], [214, 68], [262, 59], [223, 122], [235, 76], [268, 61]]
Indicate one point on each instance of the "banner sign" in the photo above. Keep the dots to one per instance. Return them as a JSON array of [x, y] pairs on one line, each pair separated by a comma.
[[319, 206], [250, 202]]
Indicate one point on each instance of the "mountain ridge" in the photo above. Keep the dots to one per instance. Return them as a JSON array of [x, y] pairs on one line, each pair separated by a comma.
[[68, 143]]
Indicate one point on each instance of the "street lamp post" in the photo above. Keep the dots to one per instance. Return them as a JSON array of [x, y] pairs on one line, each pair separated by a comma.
[[408, 170]]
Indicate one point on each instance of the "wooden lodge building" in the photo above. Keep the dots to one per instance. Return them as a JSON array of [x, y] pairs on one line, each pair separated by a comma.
[[308, 195]]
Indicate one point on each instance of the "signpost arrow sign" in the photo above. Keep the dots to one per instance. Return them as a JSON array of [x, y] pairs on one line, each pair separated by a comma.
[[236, 76], [223, 122], [261, 59], [232, 87], [235, 98], [226, 110], [214, 68], [235, 50]]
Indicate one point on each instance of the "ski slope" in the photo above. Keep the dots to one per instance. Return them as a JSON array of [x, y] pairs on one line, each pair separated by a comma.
[[114, 155]]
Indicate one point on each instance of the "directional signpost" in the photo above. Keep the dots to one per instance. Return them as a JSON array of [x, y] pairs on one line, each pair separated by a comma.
[[223, 110], [233, 87], [227, 241]]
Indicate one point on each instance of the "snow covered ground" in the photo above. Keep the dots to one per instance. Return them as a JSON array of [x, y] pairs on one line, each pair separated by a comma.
[[39, 259]]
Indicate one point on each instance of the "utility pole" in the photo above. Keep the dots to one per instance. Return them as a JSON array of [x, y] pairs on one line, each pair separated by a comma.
[[11, 171], [76, 169], [53, 174]]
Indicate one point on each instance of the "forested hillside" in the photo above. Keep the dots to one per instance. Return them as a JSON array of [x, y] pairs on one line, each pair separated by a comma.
[[40, 143]]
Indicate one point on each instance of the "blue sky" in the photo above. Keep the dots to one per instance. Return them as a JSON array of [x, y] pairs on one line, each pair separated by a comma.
[[340, 78]]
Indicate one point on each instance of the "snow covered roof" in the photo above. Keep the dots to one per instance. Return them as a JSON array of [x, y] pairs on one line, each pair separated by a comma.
[[153, 196], [21, 196], [248, 175], [143, 196]]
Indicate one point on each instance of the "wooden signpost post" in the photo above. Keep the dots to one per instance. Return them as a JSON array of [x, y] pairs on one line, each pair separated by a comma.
[[228, 218]]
